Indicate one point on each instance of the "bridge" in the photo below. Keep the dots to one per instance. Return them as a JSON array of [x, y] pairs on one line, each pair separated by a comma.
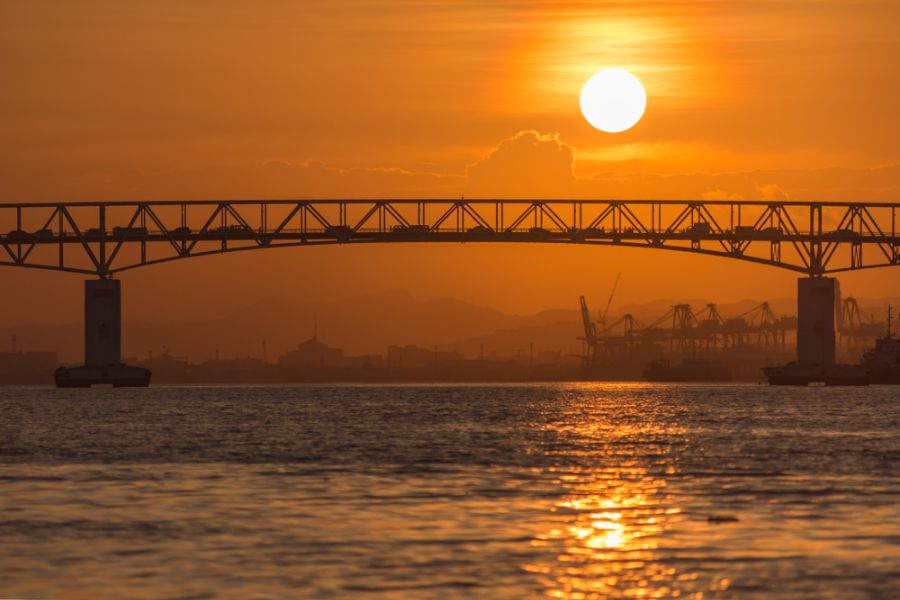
[[103, 239]]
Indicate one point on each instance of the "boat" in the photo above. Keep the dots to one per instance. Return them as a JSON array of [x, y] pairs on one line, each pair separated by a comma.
[[883, 361], [689, 369], [835, 374], [115, 375]]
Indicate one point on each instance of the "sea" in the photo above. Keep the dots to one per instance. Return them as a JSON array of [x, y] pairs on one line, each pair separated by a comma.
[[581, 490]]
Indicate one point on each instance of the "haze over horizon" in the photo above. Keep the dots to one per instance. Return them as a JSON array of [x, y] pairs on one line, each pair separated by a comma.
[[369, 323]]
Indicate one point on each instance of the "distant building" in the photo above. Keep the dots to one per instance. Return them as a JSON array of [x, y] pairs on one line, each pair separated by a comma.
[[409, 357], [166, 367], [233, 370], [414, 357], [313, 353], [366, 361]]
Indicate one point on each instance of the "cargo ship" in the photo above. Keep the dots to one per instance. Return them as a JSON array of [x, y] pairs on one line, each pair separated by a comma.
[[882, 362], [835, 374], [114, 375]]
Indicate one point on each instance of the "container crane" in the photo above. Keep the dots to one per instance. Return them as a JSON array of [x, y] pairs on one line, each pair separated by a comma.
[[609, 302], [590, 333]]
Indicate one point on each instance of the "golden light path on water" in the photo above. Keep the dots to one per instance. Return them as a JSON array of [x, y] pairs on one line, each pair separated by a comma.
[[608, 529]]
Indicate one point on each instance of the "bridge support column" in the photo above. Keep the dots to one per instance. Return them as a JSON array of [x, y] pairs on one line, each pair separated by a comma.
[[102, 342], [102, 322], [818, 300]]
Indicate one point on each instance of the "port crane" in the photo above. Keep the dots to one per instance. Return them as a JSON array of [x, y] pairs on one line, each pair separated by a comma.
[[680, 329], [590, 333], [591, 337], [854, 331]]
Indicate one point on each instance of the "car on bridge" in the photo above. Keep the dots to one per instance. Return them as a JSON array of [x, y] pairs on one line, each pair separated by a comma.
[[577, 235], [341, 233], [18, 235], [699, 228], [773, 234], [130, 233], [842, 235], [234, 230], [479, 232], [539, 232], [93, 234], [181, 232], [410, 231]]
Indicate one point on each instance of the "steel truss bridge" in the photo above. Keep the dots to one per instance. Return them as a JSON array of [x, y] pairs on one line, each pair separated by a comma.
[[105, 238]]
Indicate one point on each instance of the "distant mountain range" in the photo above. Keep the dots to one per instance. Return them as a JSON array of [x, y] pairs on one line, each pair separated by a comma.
[[366, 324]]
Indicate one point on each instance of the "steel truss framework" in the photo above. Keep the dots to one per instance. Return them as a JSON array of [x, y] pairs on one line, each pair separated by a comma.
[[104, 238], [680, 328]]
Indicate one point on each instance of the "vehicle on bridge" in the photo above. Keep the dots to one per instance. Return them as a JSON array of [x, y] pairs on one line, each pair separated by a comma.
[[699, 228], [843, 235], [479, 232], [234, 230], [129, 233], [410, 231], [342, 233]]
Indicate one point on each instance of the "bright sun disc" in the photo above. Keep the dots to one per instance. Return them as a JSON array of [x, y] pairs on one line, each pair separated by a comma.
[[613, 100]]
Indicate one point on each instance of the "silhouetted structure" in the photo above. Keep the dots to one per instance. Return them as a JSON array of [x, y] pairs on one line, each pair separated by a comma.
[[102, 342], [313, 353], [410, 357], [854, 333], [682, 331], [104, 238], [818, 303]]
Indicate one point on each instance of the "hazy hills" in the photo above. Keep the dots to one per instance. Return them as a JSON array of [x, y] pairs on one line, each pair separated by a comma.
[[361, 325]]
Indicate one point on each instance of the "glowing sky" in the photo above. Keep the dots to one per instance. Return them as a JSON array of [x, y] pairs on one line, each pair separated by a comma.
[[277, 98]]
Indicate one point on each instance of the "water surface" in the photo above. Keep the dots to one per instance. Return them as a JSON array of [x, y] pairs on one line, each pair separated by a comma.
[[562, 490]]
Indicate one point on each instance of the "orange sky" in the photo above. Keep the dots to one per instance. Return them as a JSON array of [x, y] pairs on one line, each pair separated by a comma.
[[276, 98]]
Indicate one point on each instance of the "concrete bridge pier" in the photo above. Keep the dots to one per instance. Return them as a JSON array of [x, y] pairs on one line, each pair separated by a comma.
[[818, 304], [818, 301], [102, 342], [102, 322]]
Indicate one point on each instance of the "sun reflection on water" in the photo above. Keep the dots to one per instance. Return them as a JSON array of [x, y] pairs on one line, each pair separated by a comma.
[[606, 534], [605, 537]]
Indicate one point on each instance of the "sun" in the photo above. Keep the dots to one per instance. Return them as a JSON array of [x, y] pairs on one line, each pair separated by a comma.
[[613, 100]]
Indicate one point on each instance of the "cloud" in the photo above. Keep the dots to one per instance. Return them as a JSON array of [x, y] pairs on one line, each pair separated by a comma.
[[879, 184], [773, 192], [527, 165]]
